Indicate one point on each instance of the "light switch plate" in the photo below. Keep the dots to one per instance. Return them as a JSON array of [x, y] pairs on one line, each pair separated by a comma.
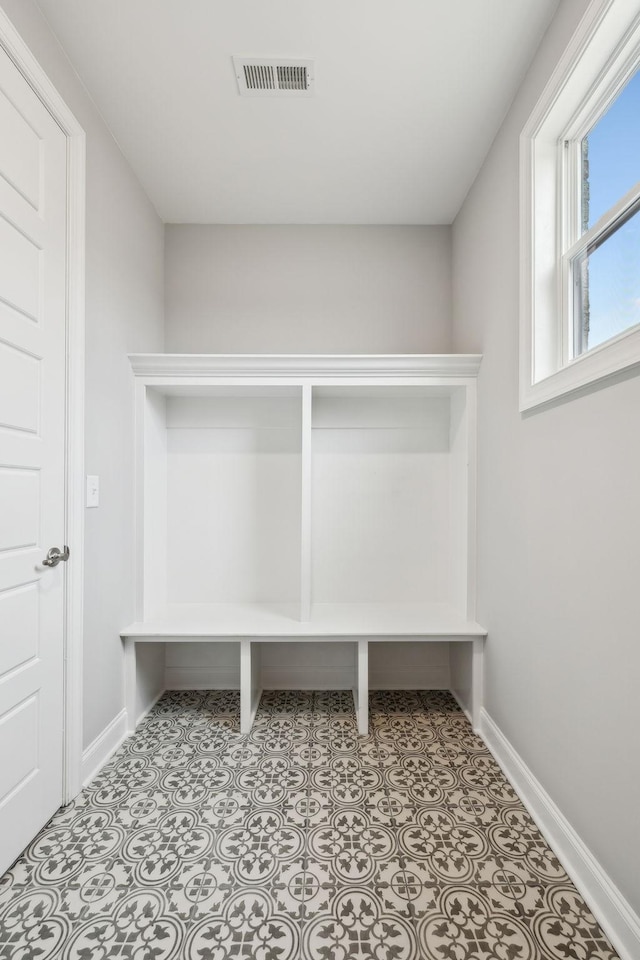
[[93, 491]]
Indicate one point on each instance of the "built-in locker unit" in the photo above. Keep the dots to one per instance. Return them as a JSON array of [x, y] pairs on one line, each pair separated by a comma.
[[312, 516]]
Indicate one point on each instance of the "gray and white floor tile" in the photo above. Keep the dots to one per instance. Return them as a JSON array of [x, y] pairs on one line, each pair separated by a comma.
[[300, 841]]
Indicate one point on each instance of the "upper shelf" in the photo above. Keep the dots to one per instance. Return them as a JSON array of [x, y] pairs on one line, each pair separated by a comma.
[[445, 365]]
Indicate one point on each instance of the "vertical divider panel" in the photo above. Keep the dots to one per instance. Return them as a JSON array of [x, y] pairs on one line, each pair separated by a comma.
[[130, 683], [477, 674], [471, 478], [140, 396], [250, 691], [458, 506], [305, 518], [463, 499], [362, 690], [154, 507]]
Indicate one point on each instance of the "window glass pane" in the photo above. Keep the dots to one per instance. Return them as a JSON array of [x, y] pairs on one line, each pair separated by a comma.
[[611, 154], [607, 288]]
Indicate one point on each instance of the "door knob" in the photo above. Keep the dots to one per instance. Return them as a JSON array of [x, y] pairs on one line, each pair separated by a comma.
[[55, 555]]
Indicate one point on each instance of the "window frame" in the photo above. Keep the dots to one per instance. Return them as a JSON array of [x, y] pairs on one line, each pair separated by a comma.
[[601, 57]]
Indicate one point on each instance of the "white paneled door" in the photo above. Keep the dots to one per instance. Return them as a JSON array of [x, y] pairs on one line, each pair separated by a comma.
[[33, 205]]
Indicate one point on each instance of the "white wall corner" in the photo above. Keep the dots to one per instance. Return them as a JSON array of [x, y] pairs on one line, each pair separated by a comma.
[[149, 707], [103, 747], [149, 682], [612, 911], [461, 685], [100, 751], [458, 698]]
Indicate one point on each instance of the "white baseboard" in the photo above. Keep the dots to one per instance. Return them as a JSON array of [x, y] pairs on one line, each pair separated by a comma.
[[305, 677], [292, 677], [202, 678], [614, 914], [433, 678], [103, 747]]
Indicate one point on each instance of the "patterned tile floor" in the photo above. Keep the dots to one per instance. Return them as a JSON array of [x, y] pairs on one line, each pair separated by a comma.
[[301, 841]]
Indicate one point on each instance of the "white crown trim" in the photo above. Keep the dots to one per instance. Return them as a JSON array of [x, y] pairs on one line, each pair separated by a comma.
[[293, 365]]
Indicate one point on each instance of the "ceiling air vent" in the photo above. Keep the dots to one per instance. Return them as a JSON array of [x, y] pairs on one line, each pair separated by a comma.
[[273, 78]]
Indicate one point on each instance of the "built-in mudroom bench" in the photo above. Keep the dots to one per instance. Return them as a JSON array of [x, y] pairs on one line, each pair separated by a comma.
[[307, 522]]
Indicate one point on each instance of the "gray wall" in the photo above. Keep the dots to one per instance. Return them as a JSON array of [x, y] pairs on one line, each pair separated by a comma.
[[559, 530], [315, 289], [124, 312]]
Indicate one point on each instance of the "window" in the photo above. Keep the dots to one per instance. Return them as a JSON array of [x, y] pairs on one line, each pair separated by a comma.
[[580, 212], [602, 255]]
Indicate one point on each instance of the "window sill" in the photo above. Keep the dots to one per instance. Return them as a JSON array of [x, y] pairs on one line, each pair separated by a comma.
[[612, 357]]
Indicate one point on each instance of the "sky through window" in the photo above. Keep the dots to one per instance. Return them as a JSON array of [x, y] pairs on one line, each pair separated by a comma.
[[613, 156]]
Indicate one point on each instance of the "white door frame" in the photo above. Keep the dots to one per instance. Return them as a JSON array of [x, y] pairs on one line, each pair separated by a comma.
[[26, 63]]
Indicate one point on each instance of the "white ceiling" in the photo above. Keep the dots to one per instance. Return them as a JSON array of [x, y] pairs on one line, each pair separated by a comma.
[[409, 95]]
